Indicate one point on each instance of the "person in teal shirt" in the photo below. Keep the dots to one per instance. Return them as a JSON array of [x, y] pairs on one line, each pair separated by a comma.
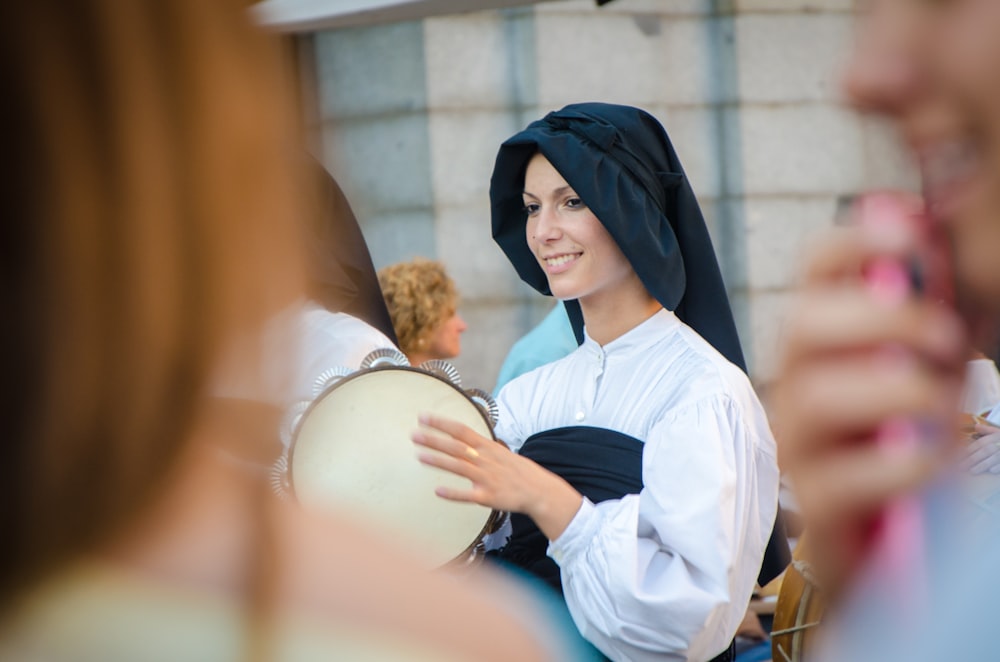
[[550, 339]]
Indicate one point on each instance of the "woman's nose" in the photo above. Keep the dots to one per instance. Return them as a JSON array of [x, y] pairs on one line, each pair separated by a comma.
[[547, 226]]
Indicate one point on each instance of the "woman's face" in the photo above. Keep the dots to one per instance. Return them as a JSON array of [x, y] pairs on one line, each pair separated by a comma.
[[578, 256], [446, 341], [931, 66]]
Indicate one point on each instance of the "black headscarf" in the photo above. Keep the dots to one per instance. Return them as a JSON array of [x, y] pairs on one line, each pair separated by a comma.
[[620, 162], [341, 273]]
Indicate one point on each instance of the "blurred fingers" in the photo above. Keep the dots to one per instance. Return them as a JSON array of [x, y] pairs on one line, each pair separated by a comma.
[[832, 402], [837, 321], [844, 251], [852, 484]]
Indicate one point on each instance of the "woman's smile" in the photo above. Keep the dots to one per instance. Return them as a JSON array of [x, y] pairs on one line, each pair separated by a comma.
[[560, 263]]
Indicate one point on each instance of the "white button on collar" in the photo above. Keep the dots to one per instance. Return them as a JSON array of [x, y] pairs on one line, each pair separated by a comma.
[[580, 415]]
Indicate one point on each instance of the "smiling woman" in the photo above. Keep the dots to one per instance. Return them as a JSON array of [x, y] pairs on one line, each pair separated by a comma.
[[643, 480], [580, 259]]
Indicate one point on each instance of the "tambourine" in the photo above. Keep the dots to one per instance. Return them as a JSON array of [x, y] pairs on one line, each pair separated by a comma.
[[350, 449]]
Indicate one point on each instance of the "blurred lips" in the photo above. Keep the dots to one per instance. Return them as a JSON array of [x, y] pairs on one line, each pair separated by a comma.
[[950, 170]]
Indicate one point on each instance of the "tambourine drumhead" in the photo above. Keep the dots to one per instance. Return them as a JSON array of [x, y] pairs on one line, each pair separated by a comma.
[[352, 449]]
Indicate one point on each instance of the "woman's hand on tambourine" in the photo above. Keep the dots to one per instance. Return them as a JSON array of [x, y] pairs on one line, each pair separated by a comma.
[[501, 479]]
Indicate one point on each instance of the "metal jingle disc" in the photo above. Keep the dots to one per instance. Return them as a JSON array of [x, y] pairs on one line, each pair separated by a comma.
[[443, 369], [486, 403], [291, 420], [384, 356], [280, 483], [328, 378]]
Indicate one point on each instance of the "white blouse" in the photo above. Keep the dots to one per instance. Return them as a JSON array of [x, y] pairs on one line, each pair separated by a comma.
[[665, 574]]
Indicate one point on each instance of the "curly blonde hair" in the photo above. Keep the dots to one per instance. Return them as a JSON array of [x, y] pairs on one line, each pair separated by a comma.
[[420, 296]]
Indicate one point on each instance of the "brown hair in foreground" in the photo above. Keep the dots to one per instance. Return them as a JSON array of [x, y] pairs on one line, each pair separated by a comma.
[[151, 239], [150, 213]]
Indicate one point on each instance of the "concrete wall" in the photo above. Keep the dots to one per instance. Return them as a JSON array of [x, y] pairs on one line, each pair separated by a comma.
[[412, 115]]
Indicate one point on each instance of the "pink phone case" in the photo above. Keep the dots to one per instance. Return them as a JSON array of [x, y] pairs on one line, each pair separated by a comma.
[[899, 535]]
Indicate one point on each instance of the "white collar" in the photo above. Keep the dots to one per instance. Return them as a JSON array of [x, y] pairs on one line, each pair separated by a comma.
[[639, 337]]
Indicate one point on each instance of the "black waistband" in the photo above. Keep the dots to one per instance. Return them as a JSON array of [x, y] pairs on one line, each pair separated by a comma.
[[601, 464]]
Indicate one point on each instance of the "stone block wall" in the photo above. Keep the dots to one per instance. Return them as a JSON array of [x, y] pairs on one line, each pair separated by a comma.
[[412, 115]]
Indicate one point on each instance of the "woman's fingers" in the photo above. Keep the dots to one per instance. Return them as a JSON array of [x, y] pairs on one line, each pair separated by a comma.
[[501, 479], [454, 429], [459, 455], [461, 451], [453, 438], [455, 457]]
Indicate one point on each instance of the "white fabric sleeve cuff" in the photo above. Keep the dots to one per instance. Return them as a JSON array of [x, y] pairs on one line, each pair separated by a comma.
[[581, 531]]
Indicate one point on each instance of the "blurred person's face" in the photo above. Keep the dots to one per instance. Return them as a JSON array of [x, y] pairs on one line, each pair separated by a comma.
[[932, 66], [446, 343], [571, 244], [966, 190]]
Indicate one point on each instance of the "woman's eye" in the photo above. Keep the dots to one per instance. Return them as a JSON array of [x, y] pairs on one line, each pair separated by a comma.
[[531, 208], [574, 203]]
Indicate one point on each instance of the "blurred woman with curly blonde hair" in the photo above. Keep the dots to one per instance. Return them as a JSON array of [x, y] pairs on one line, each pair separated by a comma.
[[423, 304]]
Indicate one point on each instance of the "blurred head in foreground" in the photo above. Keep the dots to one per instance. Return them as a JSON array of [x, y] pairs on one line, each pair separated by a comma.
[[930, 68], [152, 234], [151, 224]]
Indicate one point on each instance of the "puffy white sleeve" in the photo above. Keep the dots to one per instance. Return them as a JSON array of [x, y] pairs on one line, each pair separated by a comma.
[[667, 574]]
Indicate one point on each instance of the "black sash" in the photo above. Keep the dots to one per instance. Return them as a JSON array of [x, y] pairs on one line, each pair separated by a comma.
[[600, 464]]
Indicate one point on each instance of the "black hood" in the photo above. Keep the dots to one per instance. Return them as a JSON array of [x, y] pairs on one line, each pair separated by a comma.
[[620, 161]]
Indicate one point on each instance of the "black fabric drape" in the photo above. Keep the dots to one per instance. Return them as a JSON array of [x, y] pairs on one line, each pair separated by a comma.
[[600, 464], [341, 273], [620, 161]]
